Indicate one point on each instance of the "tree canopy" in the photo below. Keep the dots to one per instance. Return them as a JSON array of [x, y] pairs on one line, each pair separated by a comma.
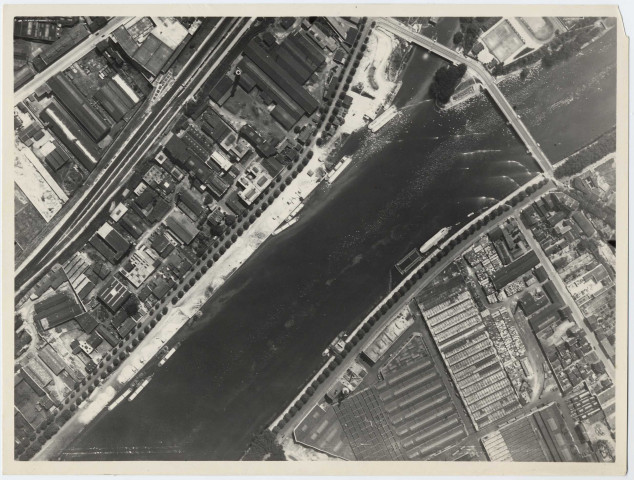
[[264, 447], [445, 82]]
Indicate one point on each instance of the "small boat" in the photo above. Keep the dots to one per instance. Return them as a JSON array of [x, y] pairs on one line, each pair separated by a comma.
[[442, 233], [168, 355], [284, 226], [339, 168], [121, 398], [139, 388]]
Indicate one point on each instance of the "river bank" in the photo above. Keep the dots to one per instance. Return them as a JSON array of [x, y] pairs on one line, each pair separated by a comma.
[[373, 89], [262, 333], [387, 308], [268, 224], [192, 301]]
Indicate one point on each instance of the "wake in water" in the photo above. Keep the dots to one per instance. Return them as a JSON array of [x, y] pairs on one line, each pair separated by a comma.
[[469, 134], [510, 179], [519, 164], [476, 152], [415, 104]]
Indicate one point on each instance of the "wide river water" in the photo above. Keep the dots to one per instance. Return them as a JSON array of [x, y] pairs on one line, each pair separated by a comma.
[[263, 332]]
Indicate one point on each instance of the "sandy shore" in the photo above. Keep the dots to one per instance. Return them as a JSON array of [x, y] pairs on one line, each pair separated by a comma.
[[380, 45], [191, 302], [114, 385]]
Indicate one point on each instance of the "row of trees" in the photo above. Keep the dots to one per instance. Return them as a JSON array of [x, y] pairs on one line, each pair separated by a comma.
[[207, 259], [562, 47], [565, 46], [338, 358], [576, 162], [78, 395], [263, 446], [355, 59], [113, 359], [396, 295]]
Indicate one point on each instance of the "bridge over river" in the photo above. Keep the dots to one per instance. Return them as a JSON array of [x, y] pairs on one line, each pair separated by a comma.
[[486, 80]]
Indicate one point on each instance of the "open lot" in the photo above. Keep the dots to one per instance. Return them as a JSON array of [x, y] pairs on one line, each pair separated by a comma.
[[28, 221], [322, 431]]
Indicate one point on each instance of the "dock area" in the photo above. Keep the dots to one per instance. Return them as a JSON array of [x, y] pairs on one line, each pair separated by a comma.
[[379, 122], [121, 398], [338, 169], [433, 242], [139, 388], [408, 262]]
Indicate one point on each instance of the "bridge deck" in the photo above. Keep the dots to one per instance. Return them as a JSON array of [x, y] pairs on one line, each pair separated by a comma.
[[485, 78]]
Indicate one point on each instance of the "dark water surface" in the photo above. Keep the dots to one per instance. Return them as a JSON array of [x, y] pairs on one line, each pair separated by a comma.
[[569, 105], [263, 332]]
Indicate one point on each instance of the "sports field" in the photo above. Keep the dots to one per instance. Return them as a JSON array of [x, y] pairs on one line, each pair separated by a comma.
[[502, 41], [540, 27]]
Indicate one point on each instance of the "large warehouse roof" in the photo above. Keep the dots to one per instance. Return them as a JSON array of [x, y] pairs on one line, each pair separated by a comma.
[[68, 131], [151, 55], [78, 106]]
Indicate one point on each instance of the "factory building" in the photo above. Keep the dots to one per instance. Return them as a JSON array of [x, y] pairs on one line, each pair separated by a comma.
[[55, 310], [117, 98], [459, 332], [68, 131], [78, 106]]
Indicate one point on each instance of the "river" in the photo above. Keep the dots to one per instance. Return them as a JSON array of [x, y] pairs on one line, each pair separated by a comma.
[[570, 104], [262, 333]]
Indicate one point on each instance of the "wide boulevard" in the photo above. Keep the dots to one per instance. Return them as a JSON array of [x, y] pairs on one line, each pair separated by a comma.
[[71, 57]]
